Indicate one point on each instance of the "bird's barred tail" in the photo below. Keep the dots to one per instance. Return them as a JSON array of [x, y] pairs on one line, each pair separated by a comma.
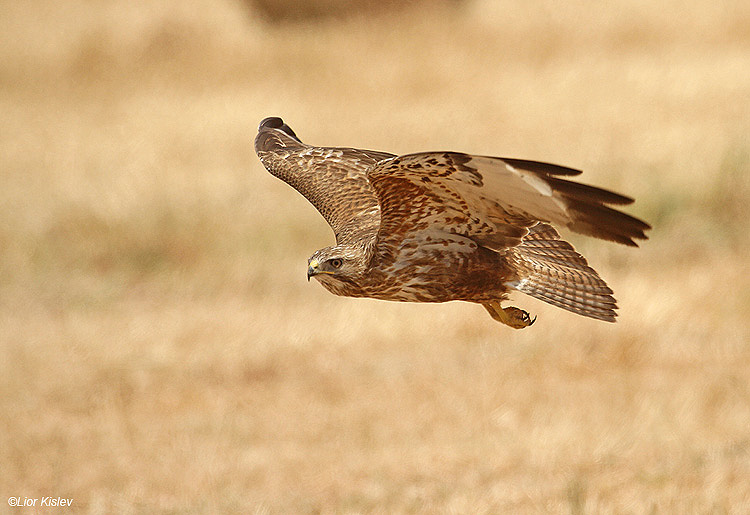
[[550, 269]]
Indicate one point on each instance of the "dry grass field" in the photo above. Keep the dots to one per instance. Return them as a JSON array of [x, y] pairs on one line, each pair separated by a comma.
[[162, 352]]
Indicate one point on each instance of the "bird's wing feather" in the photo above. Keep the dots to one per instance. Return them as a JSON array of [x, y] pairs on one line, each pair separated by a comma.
[[491, 200], [334, 180]]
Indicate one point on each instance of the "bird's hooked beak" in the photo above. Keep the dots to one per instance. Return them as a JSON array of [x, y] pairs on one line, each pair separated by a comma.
[[312, 268]]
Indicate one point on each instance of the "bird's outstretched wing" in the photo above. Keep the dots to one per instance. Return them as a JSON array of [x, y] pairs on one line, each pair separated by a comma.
[[490, 200], [334, 180]]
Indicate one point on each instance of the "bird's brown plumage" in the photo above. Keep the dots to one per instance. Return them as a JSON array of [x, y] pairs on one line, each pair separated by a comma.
[[441, 226]]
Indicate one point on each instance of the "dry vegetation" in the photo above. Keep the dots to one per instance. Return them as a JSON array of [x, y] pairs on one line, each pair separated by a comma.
[[162, 351]]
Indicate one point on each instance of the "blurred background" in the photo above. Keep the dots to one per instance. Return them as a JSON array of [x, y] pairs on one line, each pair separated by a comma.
[[161, 350]]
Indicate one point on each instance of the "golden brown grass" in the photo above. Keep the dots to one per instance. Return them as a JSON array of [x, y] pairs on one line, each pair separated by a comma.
[[162, 351]]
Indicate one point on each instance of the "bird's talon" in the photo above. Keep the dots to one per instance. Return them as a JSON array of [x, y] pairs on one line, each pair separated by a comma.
[[512, 316]]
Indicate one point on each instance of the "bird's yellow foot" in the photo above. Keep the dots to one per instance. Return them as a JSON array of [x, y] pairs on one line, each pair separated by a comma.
[[514, 317]]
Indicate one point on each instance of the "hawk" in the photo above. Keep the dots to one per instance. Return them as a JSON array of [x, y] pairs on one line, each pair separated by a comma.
[[442, 226]]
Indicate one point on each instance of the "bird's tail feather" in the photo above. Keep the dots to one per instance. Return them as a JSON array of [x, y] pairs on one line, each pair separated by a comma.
[[550, 269]]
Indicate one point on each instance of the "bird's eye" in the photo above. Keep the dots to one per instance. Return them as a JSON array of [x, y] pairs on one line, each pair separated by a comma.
[[336, 263]]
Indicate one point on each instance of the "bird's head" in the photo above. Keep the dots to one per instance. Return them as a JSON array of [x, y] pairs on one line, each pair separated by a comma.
[[340, 263]]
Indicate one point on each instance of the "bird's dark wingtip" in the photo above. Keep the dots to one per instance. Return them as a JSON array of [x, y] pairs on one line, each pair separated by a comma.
[[274, 122]]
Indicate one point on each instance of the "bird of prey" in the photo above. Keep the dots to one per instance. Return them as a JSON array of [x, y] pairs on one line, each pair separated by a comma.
[[442, 226]]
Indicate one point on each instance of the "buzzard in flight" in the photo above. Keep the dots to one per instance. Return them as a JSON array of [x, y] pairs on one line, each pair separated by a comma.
[[440, 226]]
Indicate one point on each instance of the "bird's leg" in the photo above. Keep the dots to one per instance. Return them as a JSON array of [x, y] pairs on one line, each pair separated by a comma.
[[514, 317]]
